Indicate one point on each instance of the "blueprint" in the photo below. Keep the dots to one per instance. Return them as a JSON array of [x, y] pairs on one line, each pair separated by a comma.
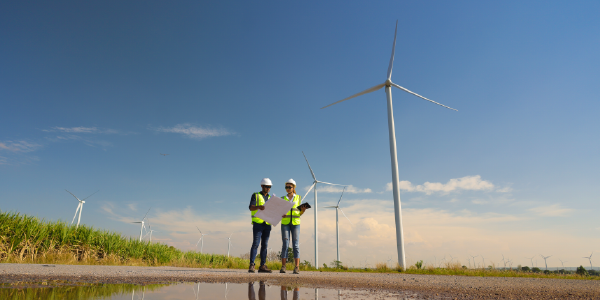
[[275, 208]]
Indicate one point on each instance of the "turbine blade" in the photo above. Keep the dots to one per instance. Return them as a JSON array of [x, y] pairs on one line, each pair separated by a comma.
[[341, 197], [311, 171], [90, 195], [146, 214], [346, 216], [311, 187], [331, 183], [448, 107], [73, 195], [199, 230], [389, 73], [369, 90]]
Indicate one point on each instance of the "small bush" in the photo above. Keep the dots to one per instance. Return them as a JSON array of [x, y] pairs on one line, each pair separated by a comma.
[[581, 271], [419, 265]]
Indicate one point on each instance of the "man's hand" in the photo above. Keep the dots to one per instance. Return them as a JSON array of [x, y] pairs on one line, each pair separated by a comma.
[[253, 208]]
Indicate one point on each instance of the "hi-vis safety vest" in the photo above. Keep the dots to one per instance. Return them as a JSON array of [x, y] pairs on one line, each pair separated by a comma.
[[294, 213], [259, 202]]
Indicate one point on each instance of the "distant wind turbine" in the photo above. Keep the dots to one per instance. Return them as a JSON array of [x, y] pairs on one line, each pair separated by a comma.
[[164, 154], [531, 258], [474, 265], [201, 240], [388, 84], [229, 244], [504, 261], [150, 231], [590, 259], [79, 207], [142, 227], [337, 223], [314, 185], [545, 257], [563, 263]]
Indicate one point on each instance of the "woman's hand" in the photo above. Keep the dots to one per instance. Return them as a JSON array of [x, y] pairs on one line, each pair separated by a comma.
[[284, 216]]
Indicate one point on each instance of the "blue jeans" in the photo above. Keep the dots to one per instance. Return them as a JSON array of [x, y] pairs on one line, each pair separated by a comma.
[[285, 238], [260, 234]]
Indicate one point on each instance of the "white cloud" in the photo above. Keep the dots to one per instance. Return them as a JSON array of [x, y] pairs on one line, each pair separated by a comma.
[[472, 183], [79, 129], [195, 132], [82, 129], [3, 160], [554, 210], [325, 188], [19, 146]]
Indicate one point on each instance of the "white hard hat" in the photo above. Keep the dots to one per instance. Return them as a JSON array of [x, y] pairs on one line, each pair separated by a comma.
[[265, 181], [291, 181]]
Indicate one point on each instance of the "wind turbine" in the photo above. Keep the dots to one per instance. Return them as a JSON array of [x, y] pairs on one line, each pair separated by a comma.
[[142, 222], [79, 207], [392, 136], [201, 240], [229, 244], [311, 187], [503, 261], [590, 259], [563, 263], [474, 265], [545, 257], [337, 223], [150, 231], [531, 258]]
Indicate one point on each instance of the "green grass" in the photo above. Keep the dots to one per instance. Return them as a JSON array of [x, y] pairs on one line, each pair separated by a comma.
[[26, 239]]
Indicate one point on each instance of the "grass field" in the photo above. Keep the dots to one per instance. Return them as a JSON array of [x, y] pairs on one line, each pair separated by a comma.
[[26, 239]]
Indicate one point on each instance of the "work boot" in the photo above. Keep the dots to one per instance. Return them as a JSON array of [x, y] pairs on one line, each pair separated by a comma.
[[296, 270], [264, 269], [282, 269], [251, 269]]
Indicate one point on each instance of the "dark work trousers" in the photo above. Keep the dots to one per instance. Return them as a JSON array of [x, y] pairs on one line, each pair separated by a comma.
[[260, 233]]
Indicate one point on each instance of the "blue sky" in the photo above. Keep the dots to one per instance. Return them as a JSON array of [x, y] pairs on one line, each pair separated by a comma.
[[91, 93]]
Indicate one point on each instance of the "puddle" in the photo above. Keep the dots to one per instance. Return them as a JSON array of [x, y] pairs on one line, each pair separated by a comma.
[[191, 291]]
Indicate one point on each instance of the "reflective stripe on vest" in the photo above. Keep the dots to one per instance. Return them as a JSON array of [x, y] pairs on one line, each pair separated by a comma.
[[259, 202], [294, 213]]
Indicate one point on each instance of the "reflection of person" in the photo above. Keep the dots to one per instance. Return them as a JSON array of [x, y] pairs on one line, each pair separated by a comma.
[[262, 292], [290, 223], [261, 230], [296, 295]]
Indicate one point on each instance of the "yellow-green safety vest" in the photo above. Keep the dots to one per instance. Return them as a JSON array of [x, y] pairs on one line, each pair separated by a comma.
[[294, 213], [259, 202]]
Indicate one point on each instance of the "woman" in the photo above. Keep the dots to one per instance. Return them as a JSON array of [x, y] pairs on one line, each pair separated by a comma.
[[291, 224]]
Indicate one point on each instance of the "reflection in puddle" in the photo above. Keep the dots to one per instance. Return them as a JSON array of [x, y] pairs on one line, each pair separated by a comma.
[[191, 291]]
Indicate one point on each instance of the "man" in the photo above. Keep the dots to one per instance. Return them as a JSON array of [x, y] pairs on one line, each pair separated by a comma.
[[261, 230]]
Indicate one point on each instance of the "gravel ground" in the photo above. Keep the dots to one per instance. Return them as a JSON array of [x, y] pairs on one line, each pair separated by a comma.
[[426, 286]]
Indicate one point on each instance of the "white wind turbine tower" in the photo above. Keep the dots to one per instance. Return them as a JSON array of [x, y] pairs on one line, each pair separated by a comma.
[[545, 257], [314, 185], [337, 223], [142, 222], [392, 136], [79, 207], [201, 240], [590, 259], [229, 244]]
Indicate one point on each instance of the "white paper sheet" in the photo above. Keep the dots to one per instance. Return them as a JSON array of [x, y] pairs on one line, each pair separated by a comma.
[[275, 208]]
